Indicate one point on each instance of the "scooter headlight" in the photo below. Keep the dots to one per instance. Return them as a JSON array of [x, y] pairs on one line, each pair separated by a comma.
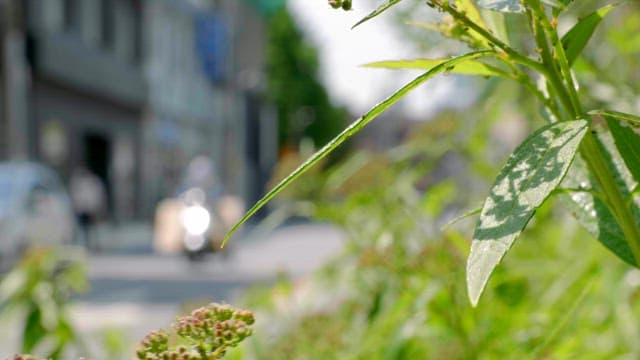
[[196, 220]]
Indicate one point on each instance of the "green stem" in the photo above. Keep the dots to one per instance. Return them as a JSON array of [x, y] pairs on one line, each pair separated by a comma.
[[558, 74], [559, 56], [615, 200], [511, 52], [589, 148]]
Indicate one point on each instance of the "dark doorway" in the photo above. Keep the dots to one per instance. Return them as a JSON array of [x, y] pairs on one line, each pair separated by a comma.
[[97, 156]]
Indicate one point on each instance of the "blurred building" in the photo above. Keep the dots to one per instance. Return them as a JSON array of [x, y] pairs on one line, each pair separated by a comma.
[[133, 89], [207, 101]]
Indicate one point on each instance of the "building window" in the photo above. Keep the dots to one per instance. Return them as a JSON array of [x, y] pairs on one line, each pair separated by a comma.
[[91, 22], [137, 38], [72, 15], [126, 35], [53, 14], [108, 23]]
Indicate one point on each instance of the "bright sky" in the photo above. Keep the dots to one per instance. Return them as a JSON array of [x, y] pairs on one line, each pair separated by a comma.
[[343, 50]]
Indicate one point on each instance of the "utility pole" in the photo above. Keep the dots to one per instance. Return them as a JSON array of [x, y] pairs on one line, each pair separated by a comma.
[[14, 91]]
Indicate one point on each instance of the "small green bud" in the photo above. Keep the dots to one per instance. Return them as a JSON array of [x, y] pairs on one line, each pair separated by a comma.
[[336, 4]]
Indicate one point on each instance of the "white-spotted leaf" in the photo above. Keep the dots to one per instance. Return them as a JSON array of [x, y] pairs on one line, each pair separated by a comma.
[[628, 144], [532, 172], [592, 213], [513, 6]]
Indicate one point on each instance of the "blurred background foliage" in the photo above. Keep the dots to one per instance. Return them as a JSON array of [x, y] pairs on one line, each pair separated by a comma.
[[39, 289], [293, 84], [397, 291]]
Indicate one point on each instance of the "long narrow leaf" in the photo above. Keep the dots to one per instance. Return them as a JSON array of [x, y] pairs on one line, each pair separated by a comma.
[[532, 172], [379, 10], [467, 68], [352, 130], [592, 213], [460, 218], [628, 143], [631, 119], [575, 40]]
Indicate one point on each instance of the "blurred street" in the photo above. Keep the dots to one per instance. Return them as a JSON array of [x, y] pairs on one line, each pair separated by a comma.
[[135, 291], [131, 274]]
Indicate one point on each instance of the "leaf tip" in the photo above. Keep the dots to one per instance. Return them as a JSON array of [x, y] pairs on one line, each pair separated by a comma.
[[229, 235], [475, 283]]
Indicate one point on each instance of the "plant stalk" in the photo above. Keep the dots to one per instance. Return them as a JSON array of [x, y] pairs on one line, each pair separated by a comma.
[[589, 149], [512, 53], [615, 200], [561, 81]]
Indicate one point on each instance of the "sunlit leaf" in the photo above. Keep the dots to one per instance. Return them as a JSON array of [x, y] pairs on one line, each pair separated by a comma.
[[352, 130], [513, 6], [592, 213], [532, 172], [561, 4], [379, 10], [628, 143], [469, 8], [575, 40], [471, 11], [467, 68]]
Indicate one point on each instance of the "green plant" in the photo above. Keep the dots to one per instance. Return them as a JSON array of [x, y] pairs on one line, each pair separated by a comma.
[[397, 290], [593, 165], [206, 334], [40, 287]]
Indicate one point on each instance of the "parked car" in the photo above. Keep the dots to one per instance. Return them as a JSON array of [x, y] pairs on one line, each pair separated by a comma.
[[35, 208]]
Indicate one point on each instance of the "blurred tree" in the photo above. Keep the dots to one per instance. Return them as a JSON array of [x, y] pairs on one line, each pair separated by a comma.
[[304, 107]]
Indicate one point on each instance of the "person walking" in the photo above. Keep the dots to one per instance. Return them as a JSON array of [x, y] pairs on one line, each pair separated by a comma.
[[89, 199]]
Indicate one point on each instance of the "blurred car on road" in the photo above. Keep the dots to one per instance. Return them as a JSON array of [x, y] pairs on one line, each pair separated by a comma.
[[35, 209]]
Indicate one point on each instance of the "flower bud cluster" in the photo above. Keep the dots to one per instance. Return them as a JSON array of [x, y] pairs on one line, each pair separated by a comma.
[[180, 353], [344, 4], [211, 330], [155, 342], [220, 325]]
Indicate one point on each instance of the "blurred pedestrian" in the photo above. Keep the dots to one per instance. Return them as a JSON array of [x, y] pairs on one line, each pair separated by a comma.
[[89, 200]]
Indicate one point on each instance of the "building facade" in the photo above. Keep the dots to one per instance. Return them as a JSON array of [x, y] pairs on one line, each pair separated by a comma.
[[133, 90], [87, 93], [205, 95]]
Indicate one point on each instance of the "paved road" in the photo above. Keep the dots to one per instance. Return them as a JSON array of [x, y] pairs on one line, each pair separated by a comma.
[[139, 292], [135, 291]]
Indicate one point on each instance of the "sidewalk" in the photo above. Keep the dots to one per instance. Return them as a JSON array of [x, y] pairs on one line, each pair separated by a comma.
[[130, 237], [134, 293]]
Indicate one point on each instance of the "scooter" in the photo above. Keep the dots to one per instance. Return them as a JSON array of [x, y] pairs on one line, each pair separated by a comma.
[[202, 229]]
